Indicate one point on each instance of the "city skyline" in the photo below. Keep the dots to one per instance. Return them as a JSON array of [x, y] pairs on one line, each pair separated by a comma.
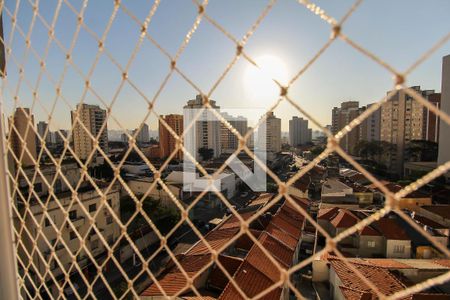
[[342, 78]]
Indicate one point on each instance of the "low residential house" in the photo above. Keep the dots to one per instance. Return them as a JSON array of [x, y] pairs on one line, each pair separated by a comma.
[[438, 213], [412, 201], [335, 193], [75, 226], [389, 276], [364, 194], [192, 184], [250, 267], [300, 188], [383, 238]]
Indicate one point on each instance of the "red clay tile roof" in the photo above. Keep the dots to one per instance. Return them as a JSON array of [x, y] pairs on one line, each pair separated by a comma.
[[390, 229], [282, 236], [443, 262], [344, 219], [327, 213], [302, 183], [217, 277], [252, 282], [367, 230], [352, 294], [245, 242], [386, 263], [174, 282], [216, 240], [386, 283]]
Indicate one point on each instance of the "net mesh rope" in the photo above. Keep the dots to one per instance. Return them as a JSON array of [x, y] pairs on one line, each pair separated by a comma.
[[27, 284]]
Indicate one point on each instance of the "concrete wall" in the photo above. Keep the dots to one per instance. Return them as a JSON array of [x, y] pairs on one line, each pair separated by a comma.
[[320, 271], [391, 245], [366, 251], [141, 243]]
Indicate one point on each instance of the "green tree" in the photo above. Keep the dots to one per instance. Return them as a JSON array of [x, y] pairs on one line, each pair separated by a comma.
[[421, 150]]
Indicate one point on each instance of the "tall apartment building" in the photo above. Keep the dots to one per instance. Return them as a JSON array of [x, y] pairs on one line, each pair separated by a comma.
[[93, 118], [299, 133], [403, 119], [23, 137], [340, 117], [228, 140], [272, 129], [167, 142], [369, 130], [205, 133], [143, 135], [444, 130], [41, 129]]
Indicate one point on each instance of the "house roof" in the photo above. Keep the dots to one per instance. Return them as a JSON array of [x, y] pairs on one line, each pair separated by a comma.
[[327, 213], [251, 281], [390, 229], [217, 277], [428, 222], [302, 183], [441, 210], [344, 219], [367, 230], [386, 283], [174, 281]]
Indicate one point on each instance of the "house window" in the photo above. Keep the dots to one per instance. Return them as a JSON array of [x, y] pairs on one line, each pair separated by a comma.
[[110, 203], [72, 235], [92, 207], [38, 187], [371, 244], [109, 220], [399, 248], [47, 222], [72, 215]]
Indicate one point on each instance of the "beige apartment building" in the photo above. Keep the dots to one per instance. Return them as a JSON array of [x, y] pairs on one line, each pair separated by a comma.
[[272, 128], [205, 133], [23, 137], [167, 142], [46, 226], [403, 119], [228, 140], [92, 117], [341, 117]]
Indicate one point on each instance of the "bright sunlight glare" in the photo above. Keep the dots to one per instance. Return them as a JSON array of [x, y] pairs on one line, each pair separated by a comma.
[[258, 82]]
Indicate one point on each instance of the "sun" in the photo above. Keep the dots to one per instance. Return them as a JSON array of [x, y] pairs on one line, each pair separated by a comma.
[[258, 81]]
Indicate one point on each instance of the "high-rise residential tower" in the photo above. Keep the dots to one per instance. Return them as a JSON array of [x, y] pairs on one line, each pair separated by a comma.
[[369, 130], [341, 116], [299, 133], [23, 137], [93, 118], [167, 142], [403, 119], [228, 140], [143, 134], [205, 133], [272, 129]]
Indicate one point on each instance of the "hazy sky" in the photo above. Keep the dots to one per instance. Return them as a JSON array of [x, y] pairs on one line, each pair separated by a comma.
[[397, 31]]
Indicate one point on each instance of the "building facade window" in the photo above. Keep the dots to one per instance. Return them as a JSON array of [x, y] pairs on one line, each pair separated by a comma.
[[399, 248], [92, 207], [72, 235], [73, 215], [371, 244]]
